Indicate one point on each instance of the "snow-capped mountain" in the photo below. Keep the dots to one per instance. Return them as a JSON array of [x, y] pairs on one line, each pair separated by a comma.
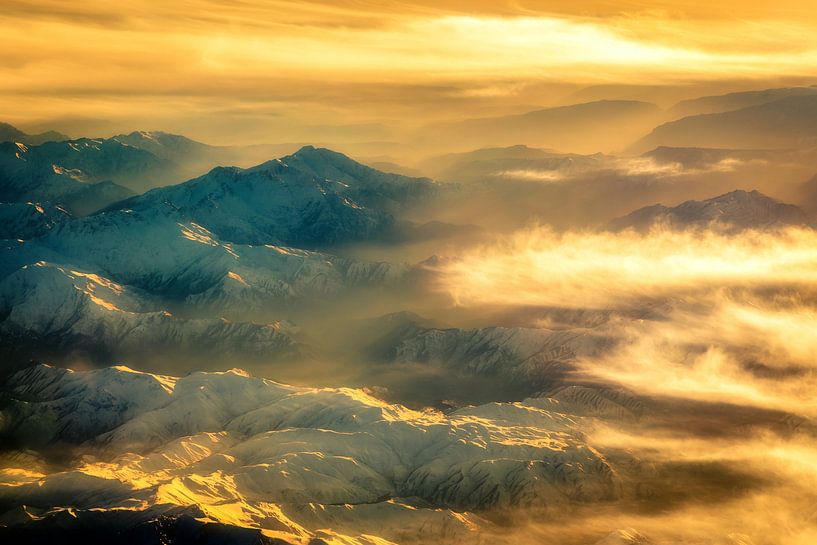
[[161, 251], [31, 174], [313, 198], [138, 162], [732, 212], [102, 159], [262, 454], [364, 184], [183, 157], [224, 244], [171, 147], [51, 311], [102, 284]]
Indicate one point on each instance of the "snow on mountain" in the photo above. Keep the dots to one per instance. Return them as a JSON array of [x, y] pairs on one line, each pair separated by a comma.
[[263, 454], [269, 204], [106, 159], [181, 248], [34, 173], [311, 198], [366, 185], [102, 159], [165, 525], [185, 158], [599, 401], [171, 147], [101, 284], [161, 251], [733, 211], [29, 220], [50, 309], [138, 161]]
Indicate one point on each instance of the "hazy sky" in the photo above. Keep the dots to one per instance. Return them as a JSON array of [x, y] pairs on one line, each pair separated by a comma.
[[280, 70]]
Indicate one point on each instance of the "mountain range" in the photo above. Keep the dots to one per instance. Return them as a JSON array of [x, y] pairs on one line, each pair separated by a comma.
[[311, 198], [10, 133], [230, 243], [510, 162], [605, 125], [283, 449], [736, 101], [787, 122], [483, 423]]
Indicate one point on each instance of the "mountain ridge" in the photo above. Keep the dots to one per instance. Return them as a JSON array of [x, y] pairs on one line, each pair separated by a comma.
[[734, 211], [10, 133]]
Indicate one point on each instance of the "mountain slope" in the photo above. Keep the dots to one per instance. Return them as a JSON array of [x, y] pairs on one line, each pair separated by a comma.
[[288, 445], [138, 161], [735, 101], [51, 174], [48, 310], [106, 159], [509, 162], [581, 128], [312, 198], [100, 287], [366, 185], [789, 122], [10, 133], [185, 158], [161, 525], [171, 147], [714, 159], [515, 360], [732, 212], [160, 251], [29, 220]]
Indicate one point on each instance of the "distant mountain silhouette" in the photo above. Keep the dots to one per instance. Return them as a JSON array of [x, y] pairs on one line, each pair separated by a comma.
[[789, 122], [488, 163], [10, 133], [735, 101], [582, 128]]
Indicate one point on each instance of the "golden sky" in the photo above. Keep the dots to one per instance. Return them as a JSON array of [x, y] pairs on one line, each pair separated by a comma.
[[287, 65]]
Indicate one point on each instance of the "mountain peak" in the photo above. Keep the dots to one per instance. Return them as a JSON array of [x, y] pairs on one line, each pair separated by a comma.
[[10, 133], [156, 135], [326, 154], [733, 211]]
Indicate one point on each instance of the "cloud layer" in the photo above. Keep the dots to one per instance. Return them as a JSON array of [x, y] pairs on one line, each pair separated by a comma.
[[92, 66]]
